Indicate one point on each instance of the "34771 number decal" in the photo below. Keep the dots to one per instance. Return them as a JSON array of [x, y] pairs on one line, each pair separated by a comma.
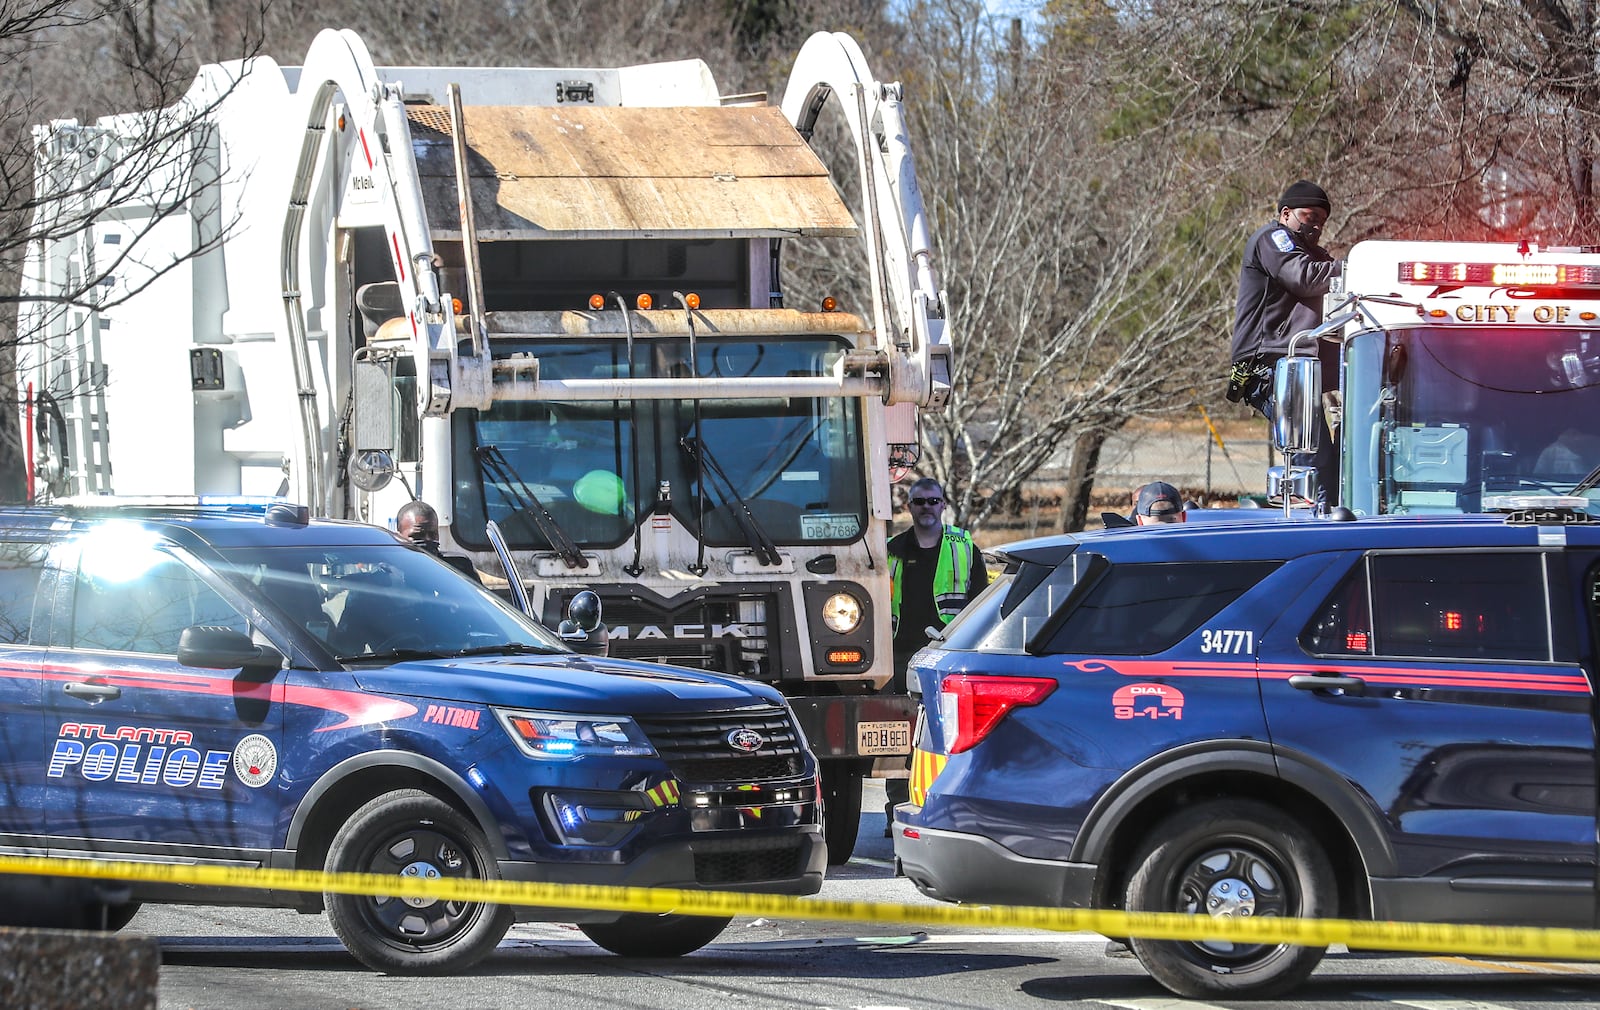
[[1229, 640]]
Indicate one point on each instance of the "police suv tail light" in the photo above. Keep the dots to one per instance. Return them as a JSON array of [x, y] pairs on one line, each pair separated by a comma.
[[970, 705], [563, 737]]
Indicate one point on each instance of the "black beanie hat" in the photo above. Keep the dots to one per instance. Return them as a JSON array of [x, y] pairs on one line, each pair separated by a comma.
[[1305, 194]]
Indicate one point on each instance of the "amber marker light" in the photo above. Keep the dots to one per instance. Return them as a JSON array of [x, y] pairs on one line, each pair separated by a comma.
[[597, 302], [644, 301], [692, 300], [830, 303], [844, 657], [455, 306]]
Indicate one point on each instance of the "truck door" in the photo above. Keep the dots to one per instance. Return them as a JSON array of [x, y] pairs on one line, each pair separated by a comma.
[[1443, 691], [141, 749]]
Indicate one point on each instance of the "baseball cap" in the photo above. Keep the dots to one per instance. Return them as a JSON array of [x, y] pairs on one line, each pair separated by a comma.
[[1158, 499]]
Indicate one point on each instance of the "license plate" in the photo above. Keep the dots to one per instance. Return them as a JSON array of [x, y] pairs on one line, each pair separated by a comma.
[[829, 527], [874, 738]]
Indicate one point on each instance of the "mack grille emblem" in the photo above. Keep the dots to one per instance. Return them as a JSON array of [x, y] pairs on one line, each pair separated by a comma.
[[746, 740]]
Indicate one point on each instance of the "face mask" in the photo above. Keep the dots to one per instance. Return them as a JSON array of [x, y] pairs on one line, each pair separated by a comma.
[[1305, 231]]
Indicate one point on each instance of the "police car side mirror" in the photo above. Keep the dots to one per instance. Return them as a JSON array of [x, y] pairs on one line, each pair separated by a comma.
[[1297, 396], [213, 648]]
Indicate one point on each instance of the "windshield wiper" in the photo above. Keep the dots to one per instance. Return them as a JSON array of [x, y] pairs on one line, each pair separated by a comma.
[[508, 649], [394, 656], [766, 550], [1587, 483], [521, 498]]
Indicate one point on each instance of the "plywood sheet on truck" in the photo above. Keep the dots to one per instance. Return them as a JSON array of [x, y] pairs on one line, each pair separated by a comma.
[[542, 172]]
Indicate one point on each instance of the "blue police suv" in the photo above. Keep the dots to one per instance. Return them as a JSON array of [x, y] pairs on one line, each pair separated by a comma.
[[1388, 718], [243, 687]]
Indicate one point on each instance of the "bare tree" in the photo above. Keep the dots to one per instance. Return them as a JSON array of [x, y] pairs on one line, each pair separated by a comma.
[[1081, 265], [59, 173]]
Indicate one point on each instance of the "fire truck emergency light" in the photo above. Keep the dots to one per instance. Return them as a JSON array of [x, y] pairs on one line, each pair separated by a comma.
[[1515, 275]]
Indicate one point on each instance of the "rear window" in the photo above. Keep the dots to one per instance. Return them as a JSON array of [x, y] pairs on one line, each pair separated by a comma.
[[1139, 610], [1020, 606]]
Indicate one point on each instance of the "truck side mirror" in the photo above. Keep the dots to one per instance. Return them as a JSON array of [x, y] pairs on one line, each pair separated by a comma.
[[582, 628], [1297, 397], [372, 424]]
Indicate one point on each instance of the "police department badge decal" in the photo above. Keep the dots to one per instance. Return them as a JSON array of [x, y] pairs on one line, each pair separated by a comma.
[[255, 760], [1281, 239]]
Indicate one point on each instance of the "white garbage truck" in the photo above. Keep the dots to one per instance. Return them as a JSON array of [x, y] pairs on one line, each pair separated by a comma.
[[1469, 376], [548, 302]]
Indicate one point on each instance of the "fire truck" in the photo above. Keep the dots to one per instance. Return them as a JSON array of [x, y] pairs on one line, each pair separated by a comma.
[[550, 303], [1469, 373]]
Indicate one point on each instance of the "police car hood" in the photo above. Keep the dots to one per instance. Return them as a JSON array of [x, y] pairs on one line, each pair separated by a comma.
[[566, 682]]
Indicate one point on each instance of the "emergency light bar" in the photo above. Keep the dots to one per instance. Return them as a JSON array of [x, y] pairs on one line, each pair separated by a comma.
[[1511, 275]]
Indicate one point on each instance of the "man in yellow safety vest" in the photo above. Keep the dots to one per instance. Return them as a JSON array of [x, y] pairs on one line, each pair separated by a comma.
[[934, 570]]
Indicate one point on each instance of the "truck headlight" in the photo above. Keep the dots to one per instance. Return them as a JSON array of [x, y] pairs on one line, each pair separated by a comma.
[[842, 613], [563, 737]]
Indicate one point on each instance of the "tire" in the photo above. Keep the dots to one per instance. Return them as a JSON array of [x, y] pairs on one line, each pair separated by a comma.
[[115, 917], [639, 935], [841, 809], [412, 833], [1244, 858]]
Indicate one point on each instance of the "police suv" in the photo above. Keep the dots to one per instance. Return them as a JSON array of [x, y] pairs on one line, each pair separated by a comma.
[[235, 685], [1387, 718]]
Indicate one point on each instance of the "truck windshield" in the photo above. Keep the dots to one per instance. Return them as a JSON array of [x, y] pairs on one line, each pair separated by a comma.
[[600, 466], [1437, 418]]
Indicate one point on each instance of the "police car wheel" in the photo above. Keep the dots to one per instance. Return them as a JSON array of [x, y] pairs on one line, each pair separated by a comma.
[[639, 935], [118, 916], [410, 833], [1230, 858]]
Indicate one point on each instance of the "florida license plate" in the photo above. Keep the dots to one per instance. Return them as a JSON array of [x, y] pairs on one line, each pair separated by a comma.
[[874, 738]]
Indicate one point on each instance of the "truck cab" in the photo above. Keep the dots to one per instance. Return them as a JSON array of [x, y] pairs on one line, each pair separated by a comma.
[[1468, 372]]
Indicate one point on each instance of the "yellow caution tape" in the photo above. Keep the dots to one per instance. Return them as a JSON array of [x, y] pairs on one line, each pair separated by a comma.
[[1448, 938]]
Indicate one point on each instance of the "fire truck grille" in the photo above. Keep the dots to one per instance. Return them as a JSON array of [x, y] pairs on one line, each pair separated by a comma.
[[746, 862], [697, 749], [719, 634]]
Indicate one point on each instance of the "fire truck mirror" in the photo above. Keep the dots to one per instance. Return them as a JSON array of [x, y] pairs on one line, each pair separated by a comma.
[[1297, 396]]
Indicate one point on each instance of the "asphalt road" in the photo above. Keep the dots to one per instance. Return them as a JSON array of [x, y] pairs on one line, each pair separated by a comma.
[[244, 959]]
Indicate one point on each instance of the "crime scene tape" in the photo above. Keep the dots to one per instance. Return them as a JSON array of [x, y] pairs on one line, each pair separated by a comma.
[[1442, 938]]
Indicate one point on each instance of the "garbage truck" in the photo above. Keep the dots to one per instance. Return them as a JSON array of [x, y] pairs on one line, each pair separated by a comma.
[[1469, 375], [551, 303]]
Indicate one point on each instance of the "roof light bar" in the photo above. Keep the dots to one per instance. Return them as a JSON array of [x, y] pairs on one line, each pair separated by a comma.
[[1513, 275]]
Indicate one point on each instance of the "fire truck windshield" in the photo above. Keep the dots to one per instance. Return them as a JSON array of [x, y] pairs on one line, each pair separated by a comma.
[[599, 466], [1436, 418]]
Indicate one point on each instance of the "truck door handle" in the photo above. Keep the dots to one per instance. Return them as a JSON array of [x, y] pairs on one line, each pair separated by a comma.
[[94, 693], [1328, 681]]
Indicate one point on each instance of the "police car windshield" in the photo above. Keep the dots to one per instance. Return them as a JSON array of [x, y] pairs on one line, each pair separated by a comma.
[[382, 601]]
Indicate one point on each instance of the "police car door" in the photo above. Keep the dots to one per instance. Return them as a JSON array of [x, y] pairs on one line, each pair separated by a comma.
[[141, 750], [24, 634], [1436, 695]]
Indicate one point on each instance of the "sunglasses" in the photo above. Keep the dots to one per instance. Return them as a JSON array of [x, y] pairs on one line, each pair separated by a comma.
[[927, 501]]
